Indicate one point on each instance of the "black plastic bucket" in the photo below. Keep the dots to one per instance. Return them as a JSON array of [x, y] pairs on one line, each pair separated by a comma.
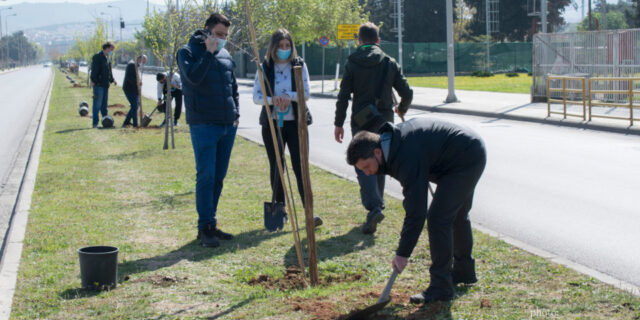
[[98, 267]]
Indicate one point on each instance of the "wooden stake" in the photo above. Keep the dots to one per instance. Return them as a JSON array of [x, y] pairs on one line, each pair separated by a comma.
[[140, 113], [303, 136], [256, 52]]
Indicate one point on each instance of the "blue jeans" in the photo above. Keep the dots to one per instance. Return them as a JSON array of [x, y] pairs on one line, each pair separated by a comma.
[[133, 111], [371, 187], [100, 98], [212, 146]]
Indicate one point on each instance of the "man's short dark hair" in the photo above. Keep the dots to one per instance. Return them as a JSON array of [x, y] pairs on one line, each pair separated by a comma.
[[160, 76], [368, 33], [362, 146], [107, 45], [216, 18]]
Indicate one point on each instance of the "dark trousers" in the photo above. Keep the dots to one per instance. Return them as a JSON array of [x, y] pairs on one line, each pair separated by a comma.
[[448, 224], [177, 96], [134, 99], [371, 187], [100, 101], [291, 139]]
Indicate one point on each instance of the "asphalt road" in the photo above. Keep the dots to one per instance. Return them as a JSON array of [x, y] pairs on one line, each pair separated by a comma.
[[568, 191], [20, 98], [20, 92]]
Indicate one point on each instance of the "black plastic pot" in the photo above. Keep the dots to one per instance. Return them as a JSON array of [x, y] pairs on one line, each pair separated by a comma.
[[98, 267], [107, 121]]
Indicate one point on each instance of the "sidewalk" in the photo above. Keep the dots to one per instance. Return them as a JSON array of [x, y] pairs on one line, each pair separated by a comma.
[[509, 106]]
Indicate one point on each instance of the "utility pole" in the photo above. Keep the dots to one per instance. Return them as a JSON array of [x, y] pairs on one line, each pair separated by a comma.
[[399, 32], [451, 96], [543, 15]]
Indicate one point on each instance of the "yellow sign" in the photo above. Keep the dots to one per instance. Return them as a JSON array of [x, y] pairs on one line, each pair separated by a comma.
[[348, 31]]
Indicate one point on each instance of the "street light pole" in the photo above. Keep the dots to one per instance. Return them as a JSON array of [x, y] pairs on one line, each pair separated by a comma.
[[451, 96], [109, 23], [9, 8], [6, 25], [120, 12]]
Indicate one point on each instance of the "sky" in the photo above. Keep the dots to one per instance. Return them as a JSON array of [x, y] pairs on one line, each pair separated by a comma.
[[11, 2], [571, 15]]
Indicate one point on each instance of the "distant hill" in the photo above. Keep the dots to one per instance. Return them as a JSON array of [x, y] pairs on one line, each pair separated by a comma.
[[37, 15]]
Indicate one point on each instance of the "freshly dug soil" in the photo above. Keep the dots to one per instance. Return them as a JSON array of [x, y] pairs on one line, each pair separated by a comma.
[[160, 280], [292, 280]]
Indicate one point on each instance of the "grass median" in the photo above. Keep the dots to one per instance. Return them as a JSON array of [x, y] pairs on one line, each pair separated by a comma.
[[497, 83], [118, 187]]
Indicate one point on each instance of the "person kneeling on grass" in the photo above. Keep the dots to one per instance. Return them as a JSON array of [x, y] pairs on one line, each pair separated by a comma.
[[417, 152]]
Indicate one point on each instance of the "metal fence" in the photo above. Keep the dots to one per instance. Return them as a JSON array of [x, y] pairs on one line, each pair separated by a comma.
[[610, 53], [418, 58]]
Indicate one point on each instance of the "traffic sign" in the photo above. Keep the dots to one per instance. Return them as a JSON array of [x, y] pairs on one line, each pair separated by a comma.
[[324, 41], [348, 31]]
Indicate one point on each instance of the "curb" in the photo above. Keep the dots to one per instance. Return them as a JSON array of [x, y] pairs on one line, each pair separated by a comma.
[[500, 116], [547, 121], [12, 247]]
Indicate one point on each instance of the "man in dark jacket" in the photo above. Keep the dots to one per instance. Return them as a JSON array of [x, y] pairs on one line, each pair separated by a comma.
[[363, 76], [212, 101], [131, 85], [101, 77], [416, 152]]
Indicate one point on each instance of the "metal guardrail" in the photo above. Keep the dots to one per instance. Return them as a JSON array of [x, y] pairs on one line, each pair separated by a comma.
[[588, 92], [564, 101], [629, 92]]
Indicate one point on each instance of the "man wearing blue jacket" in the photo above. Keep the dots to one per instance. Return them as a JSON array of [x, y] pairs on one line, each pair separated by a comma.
[[414, 153], [211, 98]]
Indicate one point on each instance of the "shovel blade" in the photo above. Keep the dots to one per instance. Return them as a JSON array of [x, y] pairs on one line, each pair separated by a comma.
[[367, 312], [145, 121], [274, 216]]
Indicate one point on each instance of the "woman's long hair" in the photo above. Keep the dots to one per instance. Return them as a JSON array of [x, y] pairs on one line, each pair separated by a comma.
[[272, 51]]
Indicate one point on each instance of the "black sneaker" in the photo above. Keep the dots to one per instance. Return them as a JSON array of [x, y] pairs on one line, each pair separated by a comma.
[[317, 221], [371, 225], [222, 235], [430, 295], [208, 237]]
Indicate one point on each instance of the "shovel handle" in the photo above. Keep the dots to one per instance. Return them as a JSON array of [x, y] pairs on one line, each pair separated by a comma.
[[385, 294]]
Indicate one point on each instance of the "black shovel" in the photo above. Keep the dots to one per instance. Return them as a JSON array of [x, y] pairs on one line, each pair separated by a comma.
[[147, 118], [382, 302]]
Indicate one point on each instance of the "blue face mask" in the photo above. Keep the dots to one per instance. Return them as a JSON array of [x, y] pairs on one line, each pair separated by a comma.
[[221, 43], [110, 53], [284, 54]]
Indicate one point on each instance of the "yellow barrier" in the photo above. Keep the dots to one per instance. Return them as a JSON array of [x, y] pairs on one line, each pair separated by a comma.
[[564, 100], [629, 92]]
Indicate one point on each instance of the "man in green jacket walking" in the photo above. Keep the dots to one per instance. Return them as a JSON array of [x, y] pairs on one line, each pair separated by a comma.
[[370, 75]]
